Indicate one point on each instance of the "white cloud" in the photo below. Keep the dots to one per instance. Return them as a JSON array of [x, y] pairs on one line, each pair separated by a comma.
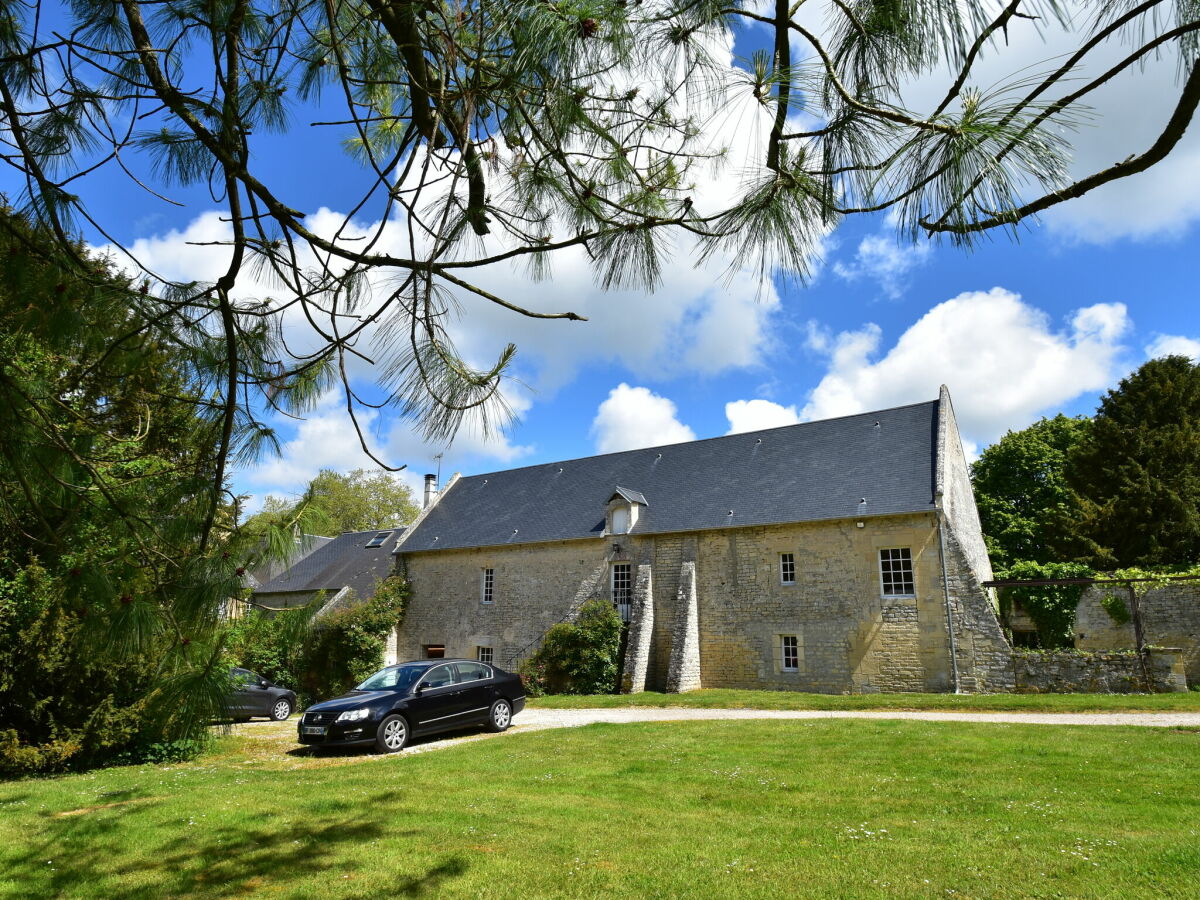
[[633, 417], [1001, 358], [1173, 345], [1122, 118], [755, 415], [885, 260], [326, 439]]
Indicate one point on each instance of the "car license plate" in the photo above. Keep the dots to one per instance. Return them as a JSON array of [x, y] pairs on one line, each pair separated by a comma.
[[313, 729]]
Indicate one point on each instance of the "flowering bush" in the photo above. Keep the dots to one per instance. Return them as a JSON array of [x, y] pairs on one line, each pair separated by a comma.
[[533, 677]]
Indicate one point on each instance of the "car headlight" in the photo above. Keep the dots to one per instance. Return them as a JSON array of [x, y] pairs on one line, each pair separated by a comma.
[[354, 715]]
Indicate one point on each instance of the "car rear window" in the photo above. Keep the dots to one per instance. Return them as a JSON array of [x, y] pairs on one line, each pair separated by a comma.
[[468, 671]]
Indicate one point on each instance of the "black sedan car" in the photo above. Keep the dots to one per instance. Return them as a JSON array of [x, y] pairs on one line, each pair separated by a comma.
[[415, 698], [253, 695]]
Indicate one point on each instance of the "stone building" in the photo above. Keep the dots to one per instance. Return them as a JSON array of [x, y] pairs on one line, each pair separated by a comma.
[[340, 569], [838, 555]]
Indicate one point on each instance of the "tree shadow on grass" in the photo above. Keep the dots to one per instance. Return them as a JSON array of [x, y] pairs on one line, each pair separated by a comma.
[[316, 751], [119, 851]]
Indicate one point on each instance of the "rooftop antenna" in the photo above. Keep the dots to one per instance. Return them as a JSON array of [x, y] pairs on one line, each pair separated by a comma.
[[438, 457]]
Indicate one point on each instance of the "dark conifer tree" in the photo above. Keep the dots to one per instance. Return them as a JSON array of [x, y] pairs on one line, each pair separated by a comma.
[[1137, 470]]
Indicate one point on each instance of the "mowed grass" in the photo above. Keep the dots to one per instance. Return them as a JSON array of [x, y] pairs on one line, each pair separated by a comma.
[[1185, 701], [848, 808]]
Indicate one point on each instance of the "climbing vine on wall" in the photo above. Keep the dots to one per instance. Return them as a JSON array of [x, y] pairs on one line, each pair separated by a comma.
[[1051, 607], [1116, 608], [1141, 582]]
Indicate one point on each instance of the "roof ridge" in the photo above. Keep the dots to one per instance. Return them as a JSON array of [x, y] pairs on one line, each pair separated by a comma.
[[717, 437]]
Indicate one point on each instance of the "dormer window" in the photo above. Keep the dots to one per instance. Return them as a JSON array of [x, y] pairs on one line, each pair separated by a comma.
[[624, 507]]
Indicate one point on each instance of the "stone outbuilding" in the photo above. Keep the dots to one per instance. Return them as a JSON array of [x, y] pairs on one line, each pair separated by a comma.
[[837, 555], [337, 570]]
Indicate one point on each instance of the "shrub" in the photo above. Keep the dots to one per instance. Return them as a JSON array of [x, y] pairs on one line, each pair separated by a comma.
[[345, 646], [533, 677], [269, 643], [319, 658], [64, 706], [579, 657]]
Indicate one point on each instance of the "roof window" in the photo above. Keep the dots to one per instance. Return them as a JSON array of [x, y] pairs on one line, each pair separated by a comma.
[[379, 539]]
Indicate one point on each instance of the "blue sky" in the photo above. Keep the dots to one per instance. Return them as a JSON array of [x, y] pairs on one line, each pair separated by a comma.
[[1017, 330]]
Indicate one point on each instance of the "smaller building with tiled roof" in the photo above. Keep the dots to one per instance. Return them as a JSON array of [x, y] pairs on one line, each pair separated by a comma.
[[351, 564]]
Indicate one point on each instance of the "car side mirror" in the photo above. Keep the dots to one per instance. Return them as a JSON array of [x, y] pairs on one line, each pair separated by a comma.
[[422, 686], [263, 683]]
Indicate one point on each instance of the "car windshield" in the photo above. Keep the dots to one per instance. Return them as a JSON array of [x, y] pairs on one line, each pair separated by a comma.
[[396, 678]]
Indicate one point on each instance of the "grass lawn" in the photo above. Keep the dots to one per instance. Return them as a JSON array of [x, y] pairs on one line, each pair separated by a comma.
[[1187, 701], [697, 809]]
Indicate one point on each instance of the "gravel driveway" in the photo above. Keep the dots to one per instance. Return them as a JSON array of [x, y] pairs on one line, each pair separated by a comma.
[[535, 719], [282, 735]]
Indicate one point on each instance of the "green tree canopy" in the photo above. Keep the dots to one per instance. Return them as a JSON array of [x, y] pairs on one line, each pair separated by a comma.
[[108, 599], [1137, 470], [1022, 492], [363, 499], [114, 567], [353, 501]]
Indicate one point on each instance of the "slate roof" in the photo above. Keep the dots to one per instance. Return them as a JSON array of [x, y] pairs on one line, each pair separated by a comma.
[[872, 464], [264, 572], [344, 561]]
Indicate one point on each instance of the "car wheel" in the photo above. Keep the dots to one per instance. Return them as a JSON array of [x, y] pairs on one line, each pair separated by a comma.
[[500, 717], [392, 734], [281, 710]]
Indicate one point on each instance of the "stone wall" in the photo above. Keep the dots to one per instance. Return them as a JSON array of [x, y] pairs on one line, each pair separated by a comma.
[[849, 637], [641, 630], [1100, 672], [1170, 616], [983, 653], [534, 586]]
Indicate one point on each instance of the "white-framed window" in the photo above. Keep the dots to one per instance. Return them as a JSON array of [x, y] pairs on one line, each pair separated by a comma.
[[896, 572], [487, 586], [622, 589], [484, 654], [787, 568], [789, 653]]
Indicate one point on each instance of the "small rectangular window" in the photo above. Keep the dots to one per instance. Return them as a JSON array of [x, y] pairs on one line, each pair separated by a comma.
[[484, 654], [435, 651], [622, 589], [487, 594], [787, 568], [896, 572], [789, 653]]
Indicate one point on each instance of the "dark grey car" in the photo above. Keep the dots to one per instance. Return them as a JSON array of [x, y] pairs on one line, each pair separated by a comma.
[[253, 695]]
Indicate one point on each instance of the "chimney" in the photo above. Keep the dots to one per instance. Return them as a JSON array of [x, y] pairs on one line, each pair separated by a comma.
[[430, 490]]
